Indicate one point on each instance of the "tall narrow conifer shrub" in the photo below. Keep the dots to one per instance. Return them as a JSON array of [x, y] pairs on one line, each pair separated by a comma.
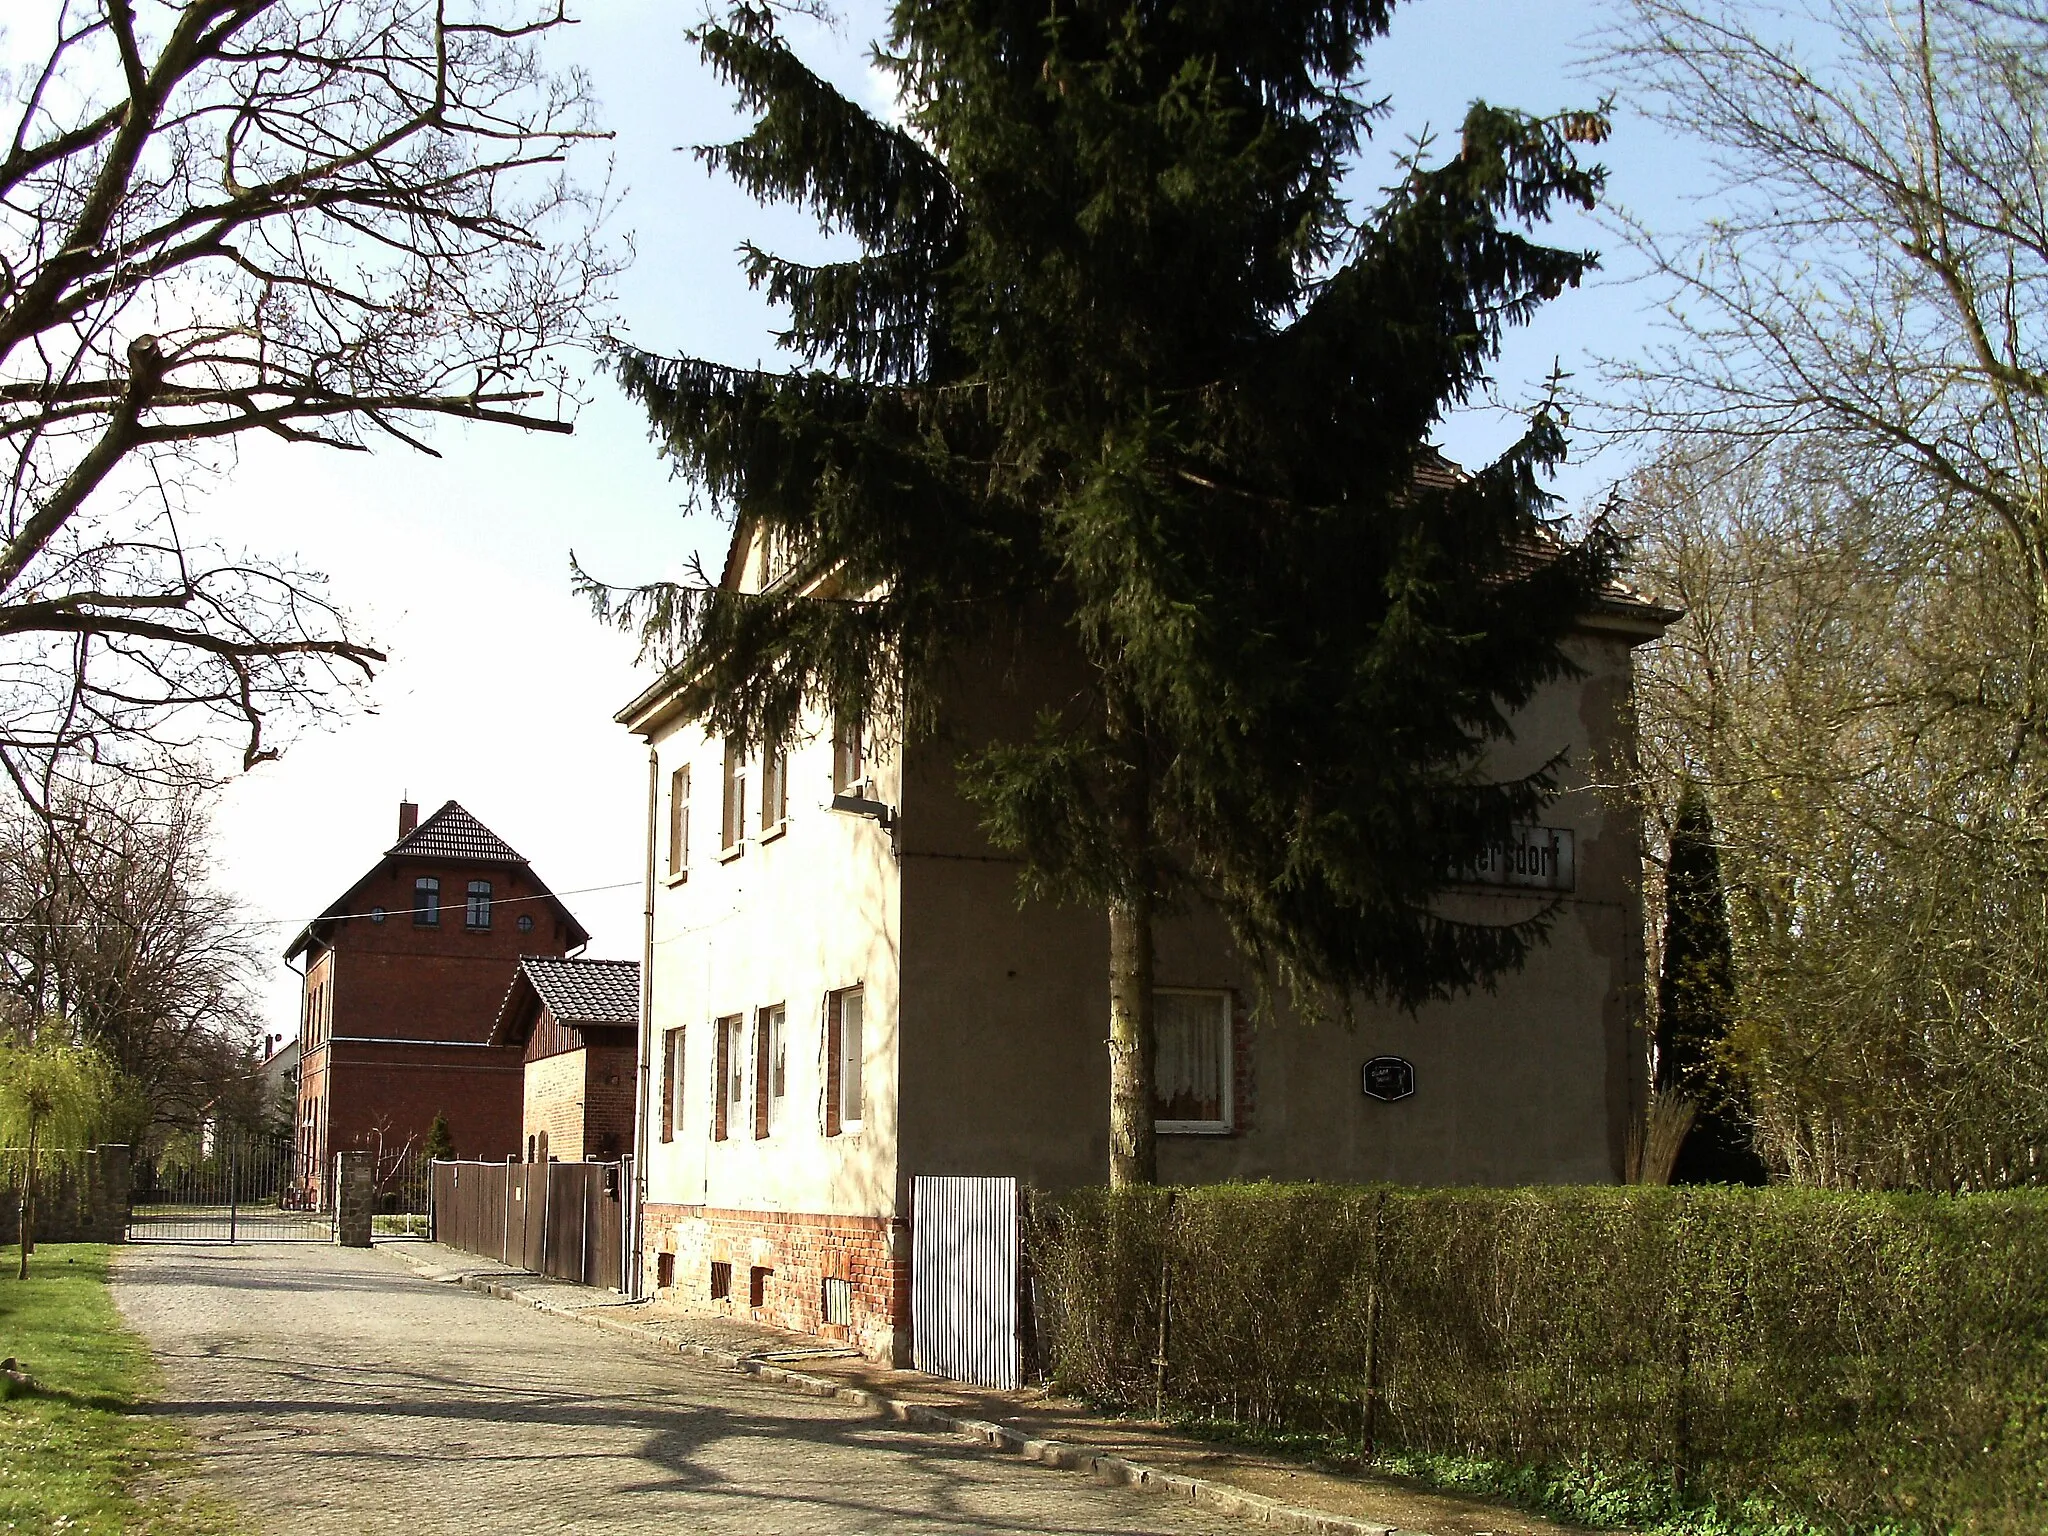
[[1696, 1006], [1116, 362]]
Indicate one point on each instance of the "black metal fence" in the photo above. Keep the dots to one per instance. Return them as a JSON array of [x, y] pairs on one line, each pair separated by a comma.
[[404, 1201], [230, 1188], [564, 1220]]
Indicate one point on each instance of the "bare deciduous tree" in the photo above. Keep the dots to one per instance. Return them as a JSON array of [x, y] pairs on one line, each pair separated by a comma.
[[1854, 509], [330, 221], [1876, 273], [114, 928], [1887, 892]]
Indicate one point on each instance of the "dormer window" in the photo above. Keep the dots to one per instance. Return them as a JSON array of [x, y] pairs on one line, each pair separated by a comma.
[[476, 915], [426, 902]]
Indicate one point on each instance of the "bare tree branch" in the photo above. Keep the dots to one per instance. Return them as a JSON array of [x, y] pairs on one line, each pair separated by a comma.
[[327, 223]]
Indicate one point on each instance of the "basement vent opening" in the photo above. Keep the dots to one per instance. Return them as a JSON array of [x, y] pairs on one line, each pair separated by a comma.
[[721, 1281], [838, 1302]]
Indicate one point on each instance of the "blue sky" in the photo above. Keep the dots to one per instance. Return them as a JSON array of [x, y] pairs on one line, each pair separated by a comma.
[[500, 689]]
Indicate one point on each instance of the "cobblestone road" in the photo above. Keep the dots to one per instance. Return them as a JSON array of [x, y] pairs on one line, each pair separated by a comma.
[[332, 1394]]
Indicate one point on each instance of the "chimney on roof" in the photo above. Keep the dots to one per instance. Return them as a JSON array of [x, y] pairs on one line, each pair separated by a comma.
[[408, 817]]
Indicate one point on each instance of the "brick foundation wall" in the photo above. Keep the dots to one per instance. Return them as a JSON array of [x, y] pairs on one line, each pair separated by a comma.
[[801, 1251]]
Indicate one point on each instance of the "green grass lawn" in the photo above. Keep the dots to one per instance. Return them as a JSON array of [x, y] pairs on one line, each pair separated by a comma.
[[75, 1454]]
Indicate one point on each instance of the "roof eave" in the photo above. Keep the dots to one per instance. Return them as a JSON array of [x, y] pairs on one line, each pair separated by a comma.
[[1633, 619], [656, 705]]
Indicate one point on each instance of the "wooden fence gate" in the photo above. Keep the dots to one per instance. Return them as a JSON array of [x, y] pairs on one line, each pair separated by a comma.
[[563, 1220], [963, 1279]]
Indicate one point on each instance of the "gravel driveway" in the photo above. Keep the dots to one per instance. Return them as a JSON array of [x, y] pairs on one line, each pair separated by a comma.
[[331, 1392]]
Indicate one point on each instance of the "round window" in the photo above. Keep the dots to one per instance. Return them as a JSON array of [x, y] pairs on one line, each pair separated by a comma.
[[376, 914], [526, 922]]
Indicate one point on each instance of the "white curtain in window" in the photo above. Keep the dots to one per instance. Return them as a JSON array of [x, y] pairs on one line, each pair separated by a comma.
[[1190, 1055]]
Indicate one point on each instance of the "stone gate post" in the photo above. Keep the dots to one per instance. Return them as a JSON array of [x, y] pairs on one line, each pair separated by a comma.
[[355, 1192]]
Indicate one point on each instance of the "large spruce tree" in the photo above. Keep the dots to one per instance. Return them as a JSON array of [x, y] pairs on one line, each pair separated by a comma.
[[1116, 357]]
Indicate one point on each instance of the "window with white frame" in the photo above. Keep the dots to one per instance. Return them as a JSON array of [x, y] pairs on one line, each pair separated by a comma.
[[679, 822], [771, 1068], [774, 792], [732, 828], [1191, 1061], [844, 1015], [849, 761], [672, 1079], [476, 911], [729, 1085]]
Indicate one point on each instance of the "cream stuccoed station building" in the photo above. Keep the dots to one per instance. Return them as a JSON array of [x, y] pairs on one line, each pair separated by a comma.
[[843, 993]]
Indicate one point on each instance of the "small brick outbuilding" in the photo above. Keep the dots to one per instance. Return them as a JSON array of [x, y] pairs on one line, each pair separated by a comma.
[[576, 1024]]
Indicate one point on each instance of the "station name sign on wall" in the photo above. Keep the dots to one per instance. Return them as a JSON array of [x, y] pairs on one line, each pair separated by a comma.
[[1533, 858]]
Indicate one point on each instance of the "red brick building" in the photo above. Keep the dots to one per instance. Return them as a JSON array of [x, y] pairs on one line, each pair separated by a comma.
[[404, 976], [576, 1024]]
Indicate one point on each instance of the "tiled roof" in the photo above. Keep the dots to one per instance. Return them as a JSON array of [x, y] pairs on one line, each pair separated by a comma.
[[586, 991], [1435, 472], [452, 833]]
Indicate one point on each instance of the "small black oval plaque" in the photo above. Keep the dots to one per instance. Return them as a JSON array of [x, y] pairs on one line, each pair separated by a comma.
[[1388, 1078]]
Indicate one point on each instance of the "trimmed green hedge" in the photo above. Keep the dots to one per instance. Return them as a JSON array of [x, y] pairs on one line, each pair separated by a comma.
[[1860, 1360]]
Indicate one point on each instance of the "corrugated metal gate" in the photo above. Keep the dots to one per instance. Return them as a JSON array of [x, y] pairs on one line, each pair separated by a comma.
[[563, 1220], [963, 1279]]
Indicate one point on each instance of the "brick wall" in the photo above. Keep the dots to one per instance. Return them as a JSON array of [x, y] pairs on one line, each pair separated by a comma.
[[582, 1101], [554, 1106], [800, 1252], [382, 1095], [608, 1100], [411, 982], [396, 981]]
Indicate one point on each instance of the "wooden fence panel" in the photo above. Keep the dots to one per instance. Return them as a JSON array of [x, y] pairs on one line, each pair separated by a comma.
[[564, 1220]]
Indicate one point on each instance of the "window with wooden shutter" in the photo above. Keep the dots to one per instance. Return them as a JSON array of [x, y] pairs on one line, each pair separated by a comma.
[[727, 1088], [771, 1067], [849, 762], [732, 829], [671, 1083], [774, 793], [844, 1017]]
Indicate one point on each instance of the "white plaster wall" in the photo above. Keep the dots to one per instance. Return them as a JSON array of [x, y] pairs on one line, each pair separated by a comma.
[[793, 917]]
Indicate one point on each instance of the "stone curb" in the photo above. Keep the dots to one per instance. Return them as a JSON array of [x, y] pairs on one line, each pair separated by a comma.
[[1116, 1470]]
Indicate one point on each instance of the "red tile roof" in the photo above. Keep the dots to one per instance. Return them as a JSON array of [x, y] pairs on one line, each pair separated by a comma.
[[586, 991], [452, 833]]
